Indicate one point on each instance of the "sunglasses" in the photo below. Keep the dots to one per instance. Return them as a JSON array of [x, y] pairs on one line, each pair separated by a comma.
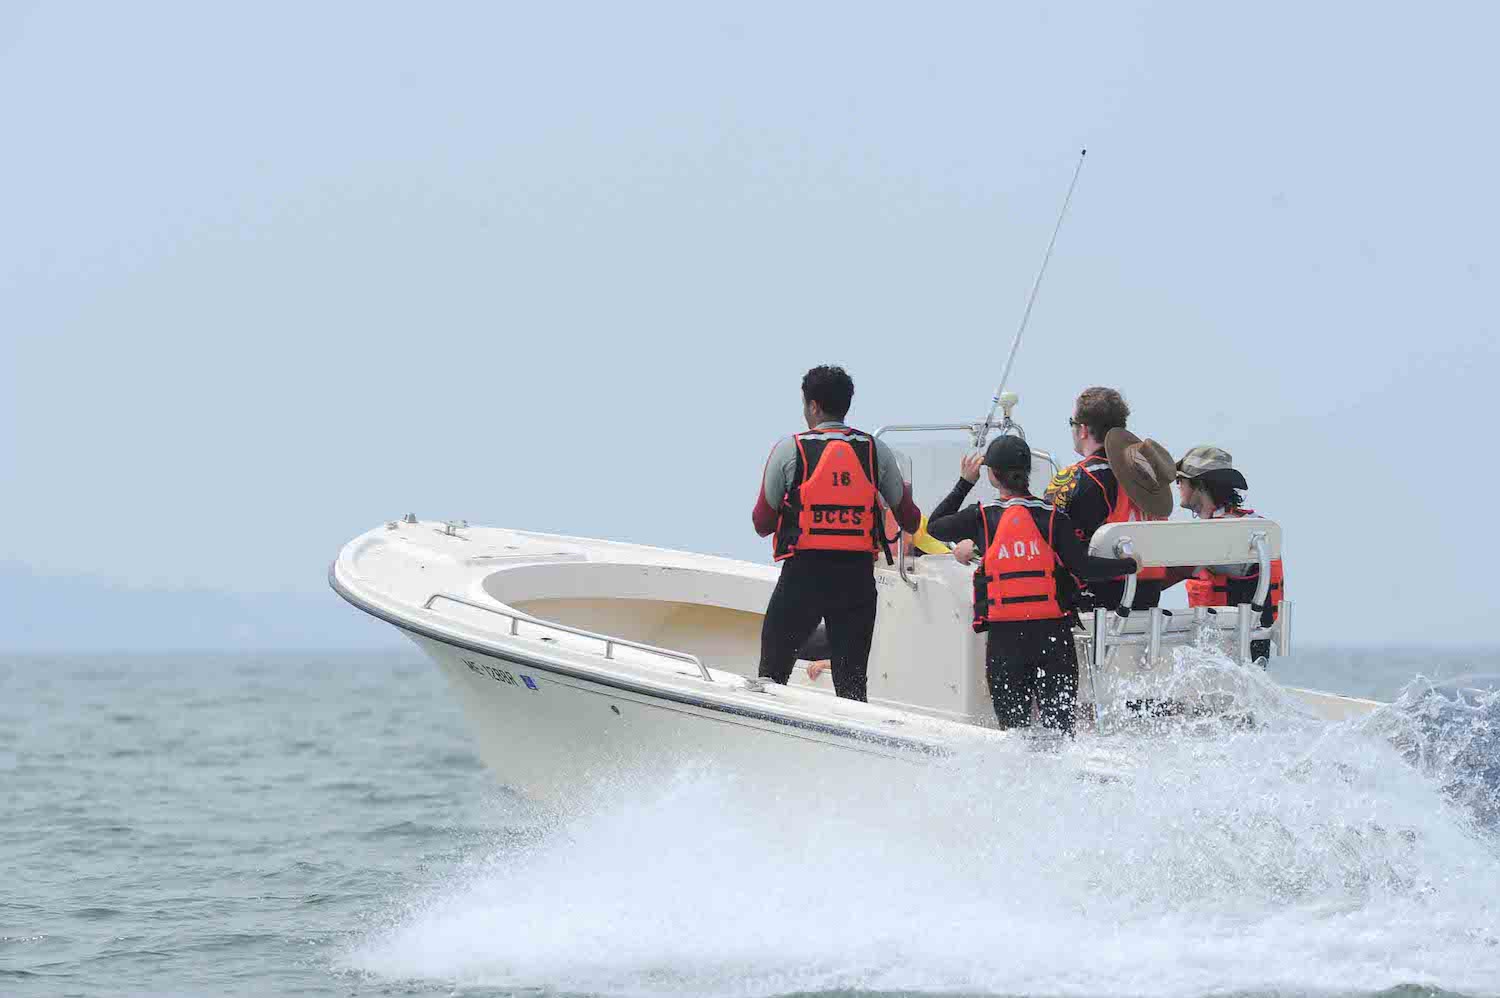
[[1073, 423]]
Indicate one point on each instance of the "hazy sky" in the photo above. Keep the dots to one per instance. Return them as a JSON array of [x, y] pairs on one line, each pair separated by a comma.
[[271, 274]]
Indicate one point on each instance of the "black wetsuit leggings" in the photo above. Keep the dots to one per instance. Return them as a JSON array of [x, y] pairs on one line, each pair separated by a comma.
[[835, 588], [1032, 659]]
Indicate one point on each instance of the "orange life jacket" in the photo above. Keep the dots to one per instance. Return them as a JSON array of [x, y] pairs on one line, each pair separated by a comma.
[[1210, 589], [1017, 579], [1123, 511], [834, 503]]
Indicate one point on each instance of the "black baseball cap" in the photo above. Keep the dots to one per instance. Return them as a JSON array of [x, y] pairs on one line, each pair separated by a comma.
[[1007, 452]]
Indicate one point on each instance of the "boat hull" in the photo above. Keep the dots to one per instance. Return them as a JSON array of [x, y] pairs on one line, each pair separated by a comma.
[[567, 741], [561, 653]]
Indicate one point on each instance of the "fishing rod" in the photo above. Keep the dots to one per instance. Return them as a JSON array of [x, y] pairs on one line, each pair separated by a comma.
[[982, 430]]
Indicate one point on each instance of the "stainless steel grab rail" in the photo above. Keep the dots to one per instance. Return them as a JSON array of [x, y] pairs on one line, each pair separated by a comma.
[[517, 619], [1263, 558], [1125, 549]]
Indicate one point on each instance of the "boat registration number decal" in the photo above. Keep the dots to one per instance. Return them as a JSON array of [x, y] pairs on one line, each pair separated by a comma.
[[500, 675]]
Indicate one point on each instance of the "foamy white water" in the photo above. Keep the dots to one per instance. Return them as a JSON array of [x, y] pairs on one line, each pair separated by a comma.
[[1293, 856]]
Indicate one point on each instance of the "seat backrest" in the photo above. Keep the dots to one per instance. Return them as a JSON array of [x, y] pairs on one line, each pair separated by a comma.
[[1186, 543]]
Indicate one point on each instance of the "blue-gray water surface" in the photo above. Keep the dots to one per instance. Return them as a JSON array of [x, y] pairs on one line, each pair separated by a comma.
[[318, 824]]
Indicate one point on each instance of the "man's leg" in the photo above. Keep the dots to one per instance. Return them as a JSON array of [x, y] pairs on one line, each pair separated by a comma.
[[850, 615], [791, 615]]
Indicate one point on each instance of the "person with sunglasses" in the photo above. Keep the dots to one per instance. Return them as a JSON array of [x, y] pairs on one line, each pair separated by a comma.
[[1120, 478]]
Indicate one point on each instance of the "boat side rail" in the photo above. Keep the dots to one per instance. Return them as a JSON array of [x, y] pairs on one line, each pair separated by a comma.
[[518, 618]]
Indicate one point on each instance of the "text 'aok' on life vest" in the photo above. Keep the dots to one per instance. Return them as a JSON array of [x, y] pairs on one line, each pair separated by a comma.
[[1017, 578]]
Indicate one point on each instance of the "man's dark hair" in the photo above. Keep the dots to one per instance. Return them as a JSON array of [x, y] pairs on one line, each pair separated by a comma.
[[1223, 494], [831, 388], [1016, 480], [1101, 410]]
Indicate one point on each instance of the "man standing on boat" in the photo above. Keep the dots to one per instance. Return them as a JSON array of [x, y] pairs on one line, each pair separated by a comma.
[[1120, 478], [821, 496], [1023, 589]]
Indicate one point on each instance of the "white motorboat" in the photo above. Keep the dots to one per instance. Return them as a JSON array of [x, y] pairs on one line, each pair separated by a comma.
[[580, 661]]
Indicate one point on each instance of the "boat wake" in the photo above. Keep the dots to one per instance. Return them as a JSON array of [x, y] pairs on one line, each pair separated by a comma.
[[1285, 855], [1451, 733]]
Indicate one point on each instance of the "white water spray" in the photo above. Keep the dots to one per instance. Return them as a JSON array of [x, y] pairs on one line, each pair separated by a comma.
[[1286, 856]]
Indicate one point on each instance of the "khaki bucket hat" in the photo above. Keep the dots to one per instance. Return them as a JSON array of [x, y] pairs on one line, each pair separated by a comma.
[[1212, 464]]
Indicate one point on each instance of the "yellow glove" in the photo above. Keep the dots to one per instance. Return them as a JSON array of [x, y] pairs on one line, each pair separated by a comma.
[[926, 543]]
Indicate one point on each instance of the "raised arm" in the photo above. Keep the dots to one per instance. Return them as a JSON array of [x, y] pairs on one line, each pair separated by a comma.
[[947, 521]]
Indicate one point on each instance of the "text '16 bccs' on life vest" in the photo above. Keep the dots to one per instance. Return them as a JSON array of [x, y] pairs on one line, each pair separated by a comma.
[[833, 502]]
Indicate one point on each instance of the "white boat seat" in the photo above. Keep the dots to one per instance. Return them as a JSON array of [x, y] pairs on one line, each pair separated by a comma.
[[1181, 544], [1188, 543]]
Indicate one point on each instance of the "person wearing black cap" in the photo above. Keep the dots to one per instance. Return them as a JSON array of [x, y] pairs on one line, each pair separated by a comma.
[[1028, 555]]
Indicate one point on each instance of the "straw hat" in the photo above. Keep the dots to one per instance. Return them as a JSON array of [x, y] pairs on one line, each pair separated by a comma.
[[1143, 468]]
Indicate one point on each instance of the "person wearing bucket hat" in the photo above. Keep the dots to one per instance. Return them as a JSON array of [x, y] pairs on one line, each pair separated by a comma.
[[1208, 482], [1208, 485], [1023, 587], [1120, 478]]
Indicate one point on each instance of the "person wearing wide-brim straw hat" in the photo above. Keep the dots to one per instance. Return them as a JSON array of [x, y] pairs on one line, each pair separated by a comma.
[[1091, 491], [1208, 485]]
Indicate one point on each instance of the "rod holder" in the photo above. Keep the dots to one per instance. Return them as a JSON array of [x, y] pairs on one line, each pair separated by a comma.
[[1097, 651], [1153, 641], [1283, 628], [1243, 625]]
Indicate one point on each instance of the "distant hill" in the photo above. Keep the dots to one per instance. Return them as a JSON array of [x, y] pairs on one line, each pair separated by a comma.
[[50, 613]]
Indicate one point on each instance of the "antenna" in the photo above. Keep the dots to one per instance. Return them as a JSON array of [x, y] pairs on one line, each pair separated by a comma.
[[983, 430]]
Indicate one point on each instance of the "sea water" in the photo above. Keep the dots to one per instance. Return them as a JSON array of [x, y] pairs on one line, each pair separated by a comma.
[[298, 824]]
